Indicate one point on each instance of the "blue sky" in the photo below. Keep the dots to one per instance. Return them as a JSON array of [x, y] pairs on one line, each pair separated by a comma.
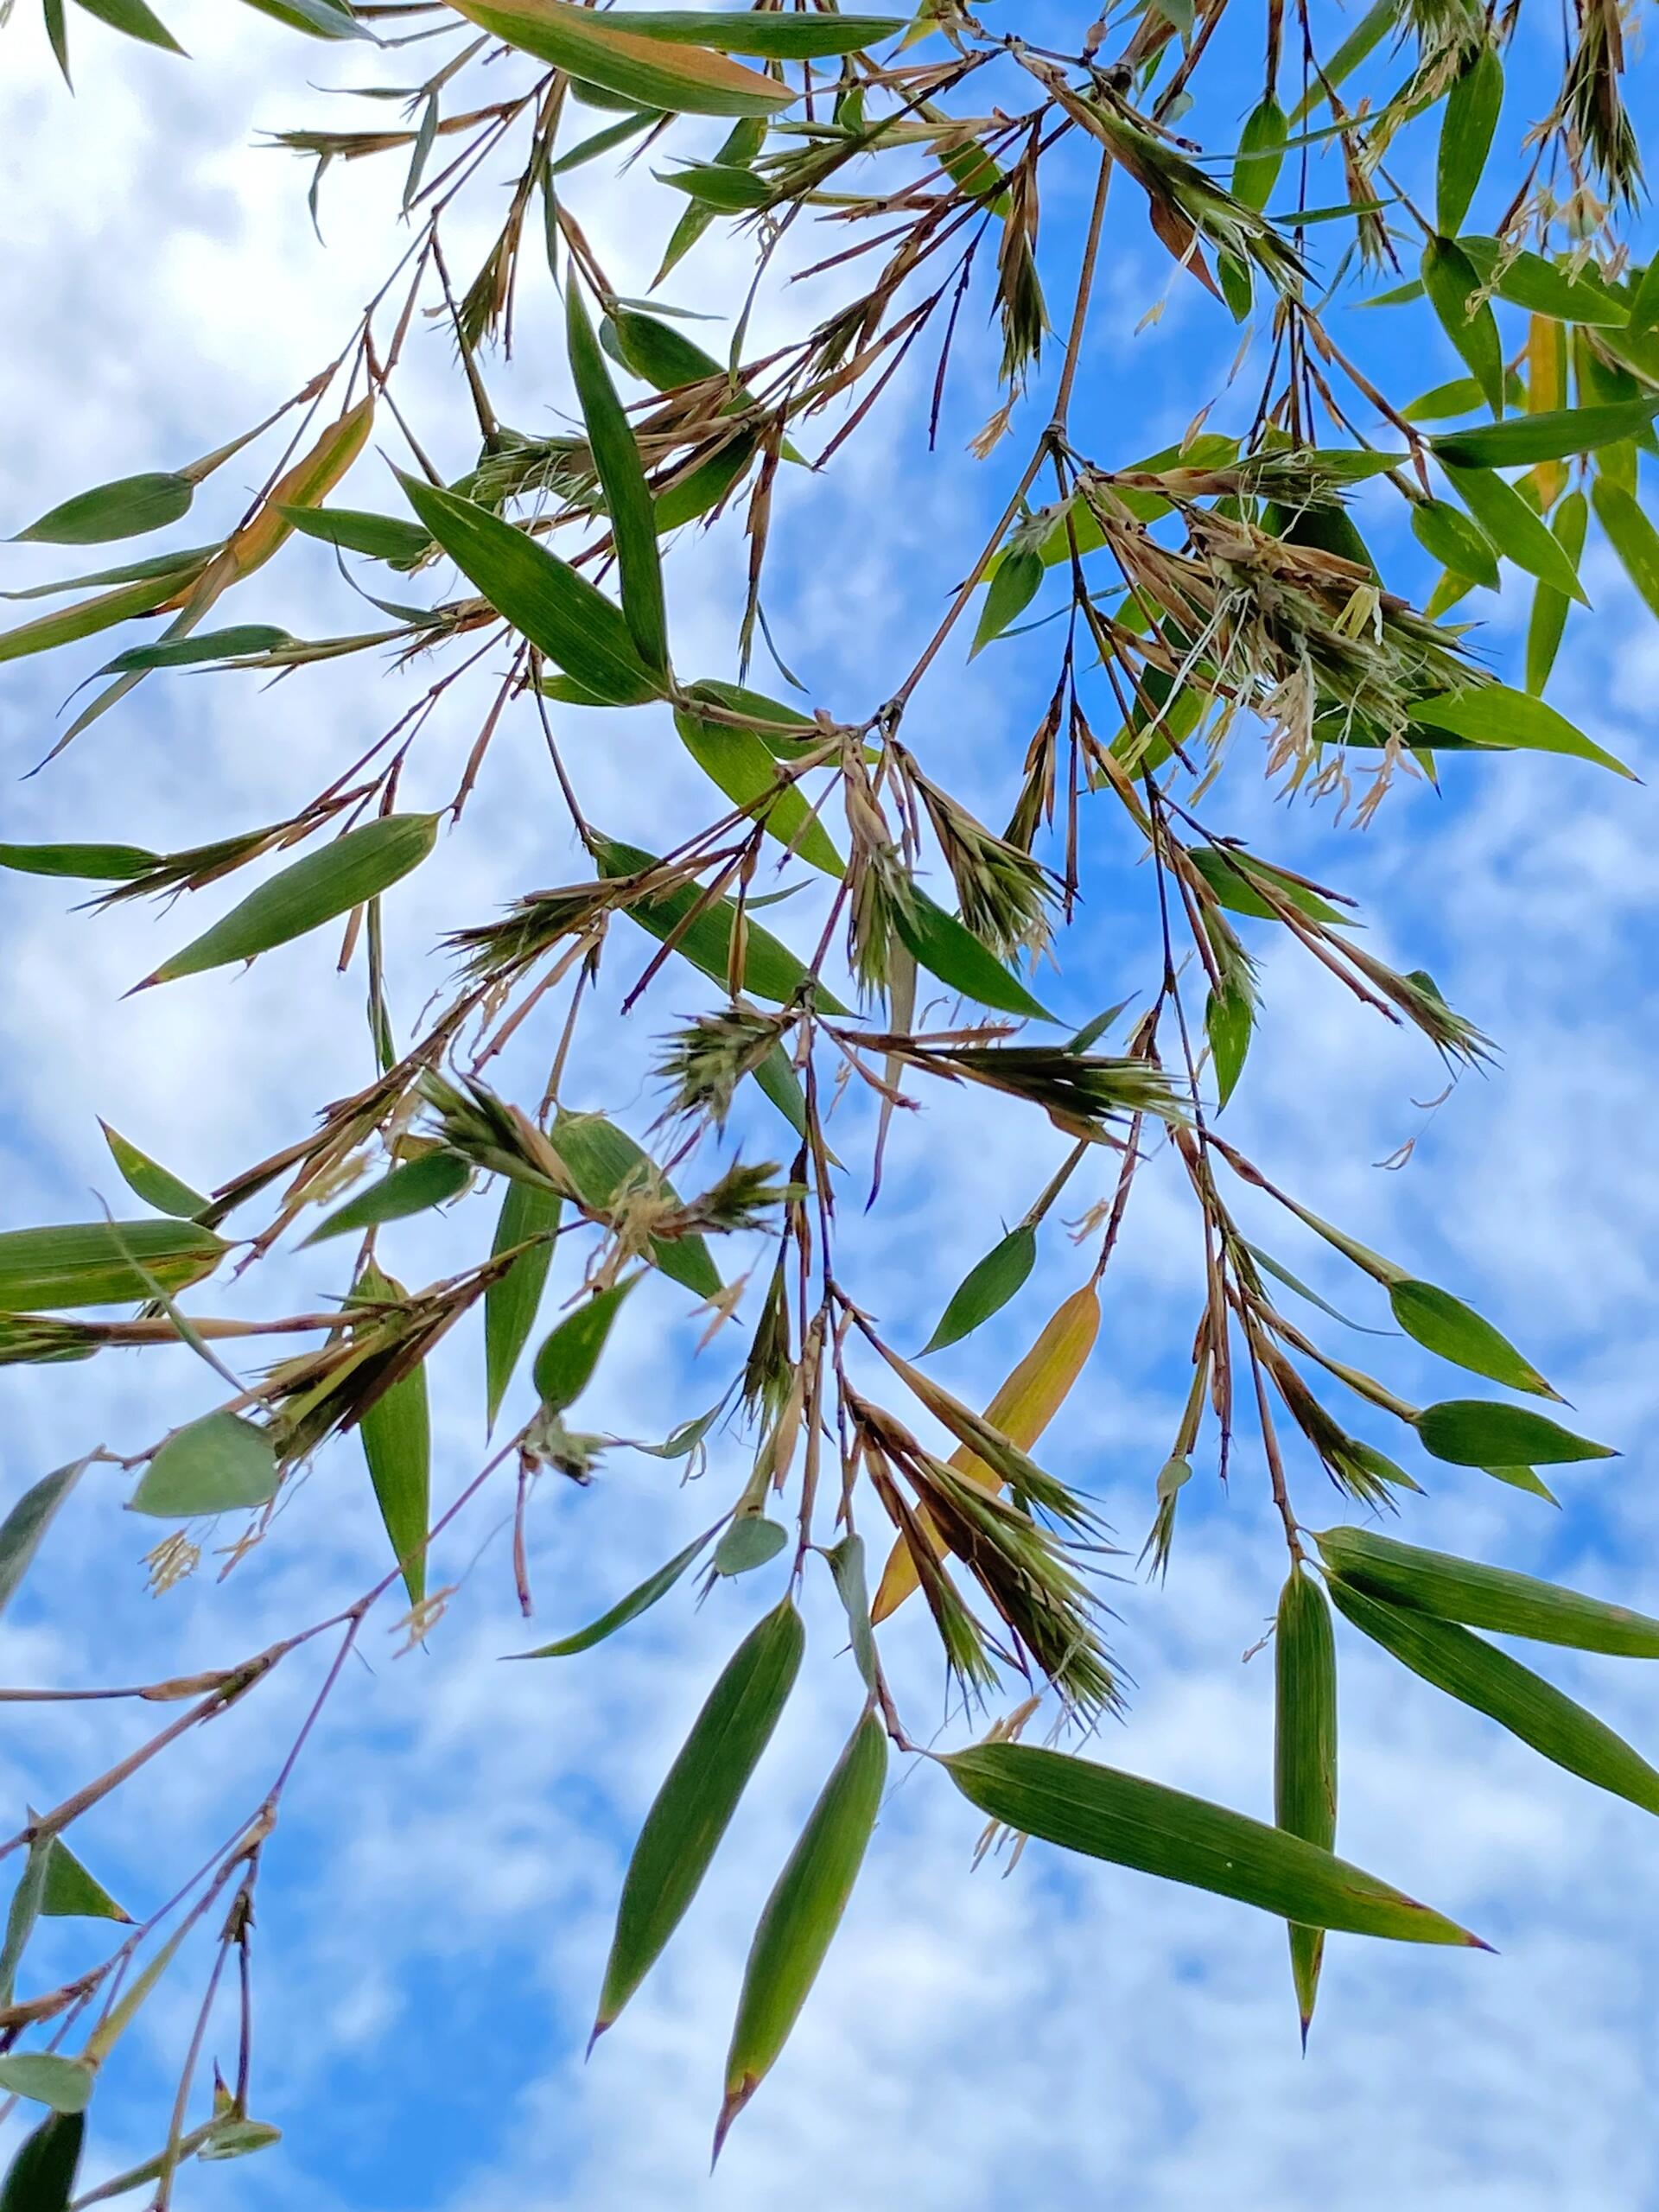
[[438, 1898]]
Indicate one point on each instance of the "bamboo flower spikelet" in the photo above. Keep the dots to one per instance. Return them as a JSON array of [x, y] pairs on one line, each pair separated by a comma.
[[835, 940]]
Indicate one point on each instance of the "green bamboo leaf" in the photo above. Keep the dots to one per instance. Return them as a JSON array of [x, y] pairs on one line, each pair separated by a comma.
[[776, 1080], [24, 1527], [1451, 280], [411, 1187], [1458, 396], [318, 19], [1519, 533], [738, 762], [986, 1288], [57, 32], [164, 569], [656, 352], [383, 538], [1644, 302], [243, 640], [219, 1464], [1554, 434], [66, 2084], [1445, 1326], [1018, 579], [343, 874], [647, 72], [719, 186], [606, 1164], [1305, 1752], [852, 1584], [1491, 714], [1228, 870], [771, 970], [543, 598], [102, 1262], [700, 1793], [775, 38], [71, 1893], [627, 1608], [138, 19], [950, 950], [397, 1432], [1480, 1433], [1528, 280], [1631, 536], [749, 1541], [128, 508], [1095, 1809], [1261, 152], [84, 863], [1494, 1598], [22, 1914], [1466, 133], [1361, 42], [42, 2177], [147, 1180], [622, 479], [1448, 536], [565, 1365], [1229, 1017], [1548, 619], [800, 1917], [1478, 1674], [511, 1303]]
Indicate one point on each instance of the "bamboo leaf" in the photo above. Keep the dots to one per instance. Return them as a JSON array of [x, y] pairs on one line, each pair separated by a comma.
[[720, 186], [750, 1541], [847, 1566], [84, 863], [565, 1365], [1361, 42], [543, 597], [88, 616], [41, 2175], [1548, 619], [102, 1262], [1631, 536], [627, 1608], [1445, 1325], [1519, 534], [136, 19], [1452, 281], [779, 38], [1020, 1410], [802, 1914], [605, 1164], [1645, 303], [397, 1432], [217, 1464], [1481, 1433], [511, 1302], [647, 72], [24, 1527], [1018, 579], [1107, 1815], [950, 950], [411, 1187], [986, 1288], [383, 538], [66, 2084], [1305, 1752], [738, 762], [71, 1893], [306, 484], [1229, 1019], [127, 508], [147, 1180], [1528, 280], [693, 1809], [1466, 133], [1478, 1674], [300, 898], [1476, 1596], [1229, 869], [1261, 153], [622, 479], [1448, 536], [1555, 434], [1491, 714]]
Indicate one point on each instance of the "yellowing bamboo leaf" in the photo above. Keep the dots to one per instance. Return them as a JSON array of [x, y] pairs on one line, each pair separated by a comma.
[[306, 484], [647, 72]]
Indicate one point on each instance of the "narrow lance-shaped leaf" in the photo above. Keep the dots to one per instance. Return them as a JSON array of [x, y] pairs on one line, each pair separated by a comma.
[[1451, 280], [1492, 713], [1107, 1815], [1261, 153], [41, 2175], [1466, 133], [1631, 536], [147, 1180], [750, 1540], [127, 508], [1519, 534], [1548, 619], [1446, 533], [411, 1187], [950, 950], [740, 765], [136, 19], [1478, 1674], [606, 1164], [700, 1793], [626, 1609], [397, 1432], [1553, 435], [1492, 1597], [1229, 1019], [217, 1464], [66, 2084], [1021, 1410], [986, 1287], [543, 597], [303, 896], [1445, 1325], [88, 616], [1018, 579], [382, 538], [739, 30], [23, 1527], [847, 1565], [569, 1354], [647, 72], [511, 1303], [801, 1915], [622, 477], [1305, 1751], [102, 1262], [1481, 1433], [80, 863], [71, 1893]]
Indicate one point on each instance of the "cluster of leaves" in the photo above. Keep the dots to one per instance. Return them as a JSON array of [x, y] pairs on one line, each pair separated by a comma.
[[1217, 589]]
